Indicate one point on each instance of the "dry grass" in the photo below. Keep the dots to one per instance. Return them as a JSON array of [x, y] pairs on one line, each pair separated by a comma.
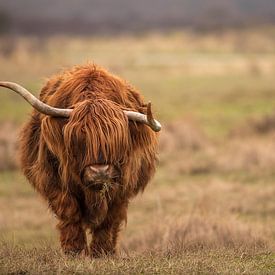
[[47, 260], [204, 203], [174, 236], [8, 146], [210, 208], [207, 226], [255, 126], [193, 152]]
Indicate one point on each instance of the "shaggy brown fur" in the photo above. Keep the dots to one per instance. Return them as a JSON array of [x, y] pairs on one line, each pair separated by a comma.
[[54, 152]]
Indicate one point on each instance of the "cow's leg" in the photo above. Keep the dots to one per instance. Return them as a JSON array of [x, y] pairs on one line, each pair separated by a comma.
[[104, 241], [72, 238], [72, 235]]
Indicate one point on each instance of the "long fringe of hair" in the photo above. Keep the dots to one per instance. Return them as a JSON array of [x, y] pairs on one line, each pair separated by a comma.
[[98, 126], [96, 131]]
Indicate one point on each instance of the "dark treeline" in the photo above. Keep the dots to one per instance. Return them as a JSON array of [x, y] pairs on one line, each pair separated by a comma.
[[108, 16]]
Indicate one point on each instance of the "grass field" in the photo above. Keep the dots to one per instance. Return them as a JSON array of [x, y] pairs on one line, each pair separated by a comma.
[[210, 208]]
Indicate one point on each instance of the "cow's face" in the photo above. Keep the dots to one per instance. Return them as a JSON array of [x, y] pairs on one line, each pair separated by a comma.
[[97, 141], [96, 134]]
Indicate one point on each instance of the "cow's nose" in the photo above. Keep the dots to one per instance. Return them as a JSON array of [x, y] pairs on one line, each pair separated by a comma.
[[100, 169]]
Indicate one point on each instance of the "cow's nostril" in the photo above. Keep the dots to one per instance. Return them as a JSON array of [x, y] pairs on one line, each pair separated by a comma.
[[100, 169], [104, 168]]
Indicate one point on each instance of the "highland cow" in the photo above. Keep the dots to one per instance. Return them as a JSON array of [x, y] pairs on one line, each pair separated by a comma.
[[88, 148]]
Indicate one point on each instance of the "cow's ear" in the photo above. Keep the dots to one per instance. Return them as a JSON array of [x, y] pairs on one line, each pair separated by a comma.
[[52, 133]]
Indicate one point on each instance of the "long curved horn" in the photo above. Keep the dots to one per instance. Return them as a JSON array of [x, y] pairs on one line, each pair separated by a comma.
[[57, 112], [35, 102], [146, 119]]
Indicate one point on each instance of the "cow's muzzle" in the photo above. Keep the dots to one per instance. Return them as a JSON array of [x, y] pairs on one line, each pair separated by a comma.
[[97, 176]]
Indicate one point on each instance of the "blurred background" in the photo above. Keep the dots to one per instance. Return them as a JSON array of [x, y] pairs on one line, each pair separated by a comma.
[[208, 66]]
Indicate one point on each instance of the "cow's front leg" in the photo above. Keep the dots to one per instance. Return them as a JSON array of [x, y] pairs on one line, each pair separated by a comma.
[[72, 238], [72, 235], [104, 240], [102, 243]]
